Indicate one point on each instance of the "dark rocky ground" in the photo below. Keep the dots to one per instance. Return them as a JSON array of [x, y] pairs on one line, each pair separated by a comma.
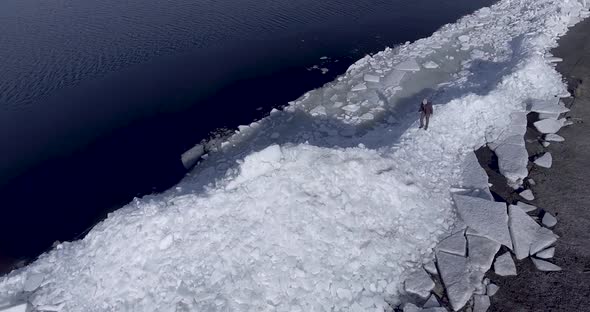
[[563, 190]]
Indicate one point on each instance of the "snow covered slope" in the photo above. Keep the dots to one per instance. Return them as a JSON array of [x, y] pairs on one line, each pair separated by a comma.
[[329, 204]]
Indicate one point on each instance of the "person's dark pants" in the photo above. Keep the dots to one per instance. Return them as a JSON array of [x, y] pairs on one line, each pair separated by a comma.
[[422, 116]]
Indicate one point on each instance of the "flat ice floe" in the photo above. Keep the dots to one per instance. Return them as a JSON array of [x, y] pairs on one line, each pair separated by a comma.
[[331, 203]]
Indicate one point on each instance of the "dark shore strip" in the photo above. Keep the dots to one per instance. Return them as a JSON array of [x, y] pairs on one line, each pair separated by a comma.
[[562, 190]]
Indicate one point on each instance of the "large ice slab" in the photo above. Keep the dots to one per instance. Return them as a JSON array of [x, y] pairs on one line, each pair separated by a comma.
[[504, 265], [454, 272], [544, 161], [523, 230], [513, 160], [546, 266], [454, 244], [548, 125], [487, 217], [473, 175], [481, 252], [419, 283], [371, 78], [552, 106], [543, 239]]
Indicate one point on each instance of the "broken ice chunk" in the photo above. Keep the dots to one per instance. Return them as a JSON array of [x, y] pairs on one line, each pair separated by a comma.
[[463, 38], [419, 283], [359, 87], [481, 303], [33, 281], [546, 254], [523, 230], [548, 125], [554, 137], [513, 160], [492, 289], [408, 65], [487, 217], [544, 161], [410, 307], [549, 220], [430, 267], [455, 276], [545, 266], [545, 144], [454, 244], [552, 106], [351, 108], [527, 194], [21, 307], [526, 207], [481, 252], [504, 265], [432, 302], [371, 78], [430, 65], [543, 239]]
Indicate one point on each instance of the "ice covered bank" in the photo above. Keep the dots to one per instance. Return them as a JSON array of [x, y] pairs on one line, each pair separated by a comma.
[[330, 204]]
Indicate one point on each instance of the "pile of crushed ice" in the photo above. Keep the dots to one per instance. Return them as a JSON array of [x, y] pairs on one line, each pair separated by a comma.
[[335, 201]]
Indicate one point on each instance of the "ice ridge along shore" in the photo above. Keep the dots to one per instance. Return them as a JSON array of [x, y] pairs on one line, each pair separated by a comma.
[[329, 204]]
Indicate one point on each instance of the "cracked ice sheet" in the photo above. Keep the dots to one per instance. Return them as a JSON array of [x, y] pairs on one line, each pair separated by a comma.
[[487, 217], [523, 230], [513, 160], [216, 231], [454, 272]]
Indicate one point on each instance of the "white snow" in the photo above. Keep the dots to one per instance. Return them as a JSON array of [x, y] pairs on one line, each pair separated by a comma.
[[504, 265], [548, 126], [543, 239], [545, 266], [523, 230], [487, 217], [527, 194], [334, 211], [549, 220], [454, 244], [481, 303], [454, 272], [419, 283], [544, 161], [554, 137], [546, 254]]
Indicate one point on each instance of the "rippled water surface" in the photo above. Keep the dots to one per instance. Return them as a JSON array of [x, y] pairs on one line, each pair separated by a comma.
[[99, 98]]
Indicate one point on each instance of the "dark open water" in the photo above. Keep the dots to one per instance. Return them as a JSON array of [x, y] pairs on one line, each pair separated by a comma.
[[98, 98]]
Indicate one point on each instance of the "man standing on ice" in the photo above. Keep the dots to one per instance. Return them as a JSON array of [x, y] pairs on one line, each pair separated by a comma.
[[425, 111]]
